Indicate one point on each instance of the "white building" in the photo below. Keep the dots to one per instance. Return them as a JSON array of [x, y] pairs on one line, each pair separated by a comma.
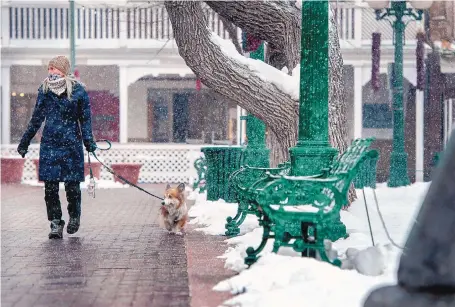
[[140, 88]]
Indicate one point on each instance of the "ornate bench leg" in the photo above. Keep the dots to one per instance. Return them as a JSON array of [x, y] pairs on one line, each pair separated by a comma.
[[233, 223], [308, 252], [324, 257], [337, 230], [252, 254], [280, 237]]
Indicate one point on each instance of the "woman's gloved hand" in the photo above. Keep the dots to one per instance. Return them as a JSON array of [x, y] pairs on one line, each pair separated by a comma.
[[90, 145], [22, 149]]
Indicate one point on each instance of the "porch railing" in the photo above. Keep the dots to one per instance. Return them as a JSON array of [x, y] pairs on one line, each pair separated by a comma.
[[160, 163], [94, 26], [143, 27]]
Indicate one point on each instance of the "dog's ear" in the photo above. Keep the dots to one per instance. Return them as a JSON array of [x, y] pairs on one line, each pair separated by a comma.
[[168, 186], [181, 187]]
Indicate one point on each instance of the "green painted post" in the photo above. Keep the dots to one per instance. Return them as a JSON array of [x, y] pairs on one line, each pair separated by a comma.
[[256, 152], [313, 151], [399, 157], [72, 38]]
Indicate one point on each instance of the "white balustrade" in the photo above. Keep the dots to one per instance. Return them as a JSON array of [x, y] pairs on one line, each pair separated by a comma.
[[148, 27], [95, 27]]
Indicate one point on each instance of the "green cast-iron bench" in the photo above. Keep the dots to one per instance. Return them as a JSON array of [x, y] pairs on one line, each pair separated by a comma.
[[304, 212], [243, 180], [200, 164]]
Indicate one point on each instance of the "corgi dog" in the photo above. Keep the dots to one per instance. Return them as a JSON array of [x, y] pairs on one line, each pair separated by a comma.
[[173, 211]]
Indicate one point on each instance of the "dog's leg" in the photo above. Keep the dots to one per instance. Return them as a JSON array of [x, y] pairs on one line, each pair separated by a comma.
[[179, 226], [176, 228], [168, 226]]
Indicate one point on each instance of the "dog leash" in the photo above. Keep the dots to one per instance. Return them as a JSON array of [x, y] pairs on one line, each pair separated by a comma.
[[92, 180]]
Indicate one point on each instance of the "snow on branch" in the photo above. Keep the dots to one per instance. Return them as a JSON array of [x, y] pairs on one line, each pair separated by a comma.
[[287, 84]]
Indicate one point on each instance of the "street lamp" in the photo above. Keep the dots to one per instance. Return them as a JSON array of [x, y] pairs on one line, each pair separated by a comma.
[[398, 158], [313, 151], [72, 36]]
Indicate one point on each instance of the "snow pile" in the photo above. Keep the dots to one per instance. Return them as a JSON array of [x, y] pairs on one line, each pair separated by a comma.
[[192, 194], [289, 280], [213, 214], [370, 261]]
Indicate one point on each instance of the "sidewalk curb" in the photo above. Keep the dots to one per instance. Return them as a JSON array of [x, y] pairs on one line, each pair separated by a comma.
[[205, 270]]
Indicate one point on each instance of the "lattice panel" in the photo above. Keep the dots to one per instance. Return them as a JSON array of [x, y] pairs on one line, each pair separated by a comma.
[[161, 164]]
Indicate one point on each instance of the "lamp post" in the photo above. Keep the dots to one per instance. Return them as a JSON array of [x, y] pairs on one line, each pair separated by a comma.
[[313, 151], [256, 152], [72, 37], [398, 158]]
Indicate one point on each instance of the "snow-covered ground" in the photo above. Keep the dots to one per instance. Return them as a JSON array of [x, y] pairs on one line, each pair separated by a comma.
[[288, 280]]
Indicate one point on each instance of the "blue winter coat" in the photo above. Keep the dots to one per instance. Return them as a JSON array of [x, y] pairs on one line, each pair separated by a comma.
[[61, 151]]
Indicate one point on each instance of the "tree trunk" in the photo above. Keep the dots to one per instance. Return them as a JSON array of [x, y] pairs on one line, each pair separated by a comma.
[[229, 77]]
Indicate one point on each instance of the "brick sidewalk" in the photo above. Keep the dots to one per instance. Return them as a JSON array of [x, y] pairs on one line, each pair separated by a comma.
[[119, 257]]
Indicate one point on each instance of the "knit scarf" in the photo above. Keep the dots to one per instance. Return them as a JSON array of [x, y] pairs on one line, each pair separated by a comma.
[[58, 85]]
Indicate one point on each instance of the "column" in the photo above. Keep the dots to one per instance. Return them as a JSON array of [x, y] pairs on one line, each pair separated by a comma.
[[239, 125], [419, 135], [450, 118], [358, 103], [123, 94], [5, 82], [5, 25]]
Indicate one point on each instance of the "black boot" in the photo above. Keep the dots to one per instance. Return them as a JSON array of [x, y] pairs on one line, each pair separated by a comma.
[[73, 225], [73, 196], [56, 229], [54, 210]]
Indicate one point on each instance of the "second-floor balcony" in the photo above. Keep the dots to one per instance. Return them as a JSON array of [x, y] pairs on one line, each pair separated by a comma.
[[46, 25]]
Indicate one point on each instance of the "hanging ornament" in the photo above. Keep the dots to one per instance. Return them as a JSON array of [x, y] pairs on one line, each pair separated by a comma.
[[250, 43], [420, 61], [198, 84], [375, 61]]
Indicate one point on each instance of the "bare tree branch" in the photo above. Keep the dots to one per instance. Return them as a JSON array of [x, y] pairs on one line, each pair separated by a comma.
[[277, 22]]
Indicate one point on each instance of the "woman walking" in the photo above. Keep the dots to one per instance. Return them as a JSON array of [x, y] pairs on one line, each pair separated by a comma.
[[64, 104]]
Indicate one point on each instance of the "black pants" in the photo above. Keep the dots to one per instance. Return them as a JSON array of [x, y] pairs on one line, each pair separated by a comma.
[[73, 196]]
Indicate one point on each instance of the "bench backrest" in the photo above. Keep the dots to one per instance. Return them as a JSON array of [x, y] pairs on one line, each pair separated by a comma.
[[347, 165], [351, 158]]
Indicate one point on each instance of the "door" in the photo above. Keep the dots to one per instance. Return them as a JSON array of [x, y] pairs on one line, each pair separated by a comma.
[[180, 114], [160, 118]]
